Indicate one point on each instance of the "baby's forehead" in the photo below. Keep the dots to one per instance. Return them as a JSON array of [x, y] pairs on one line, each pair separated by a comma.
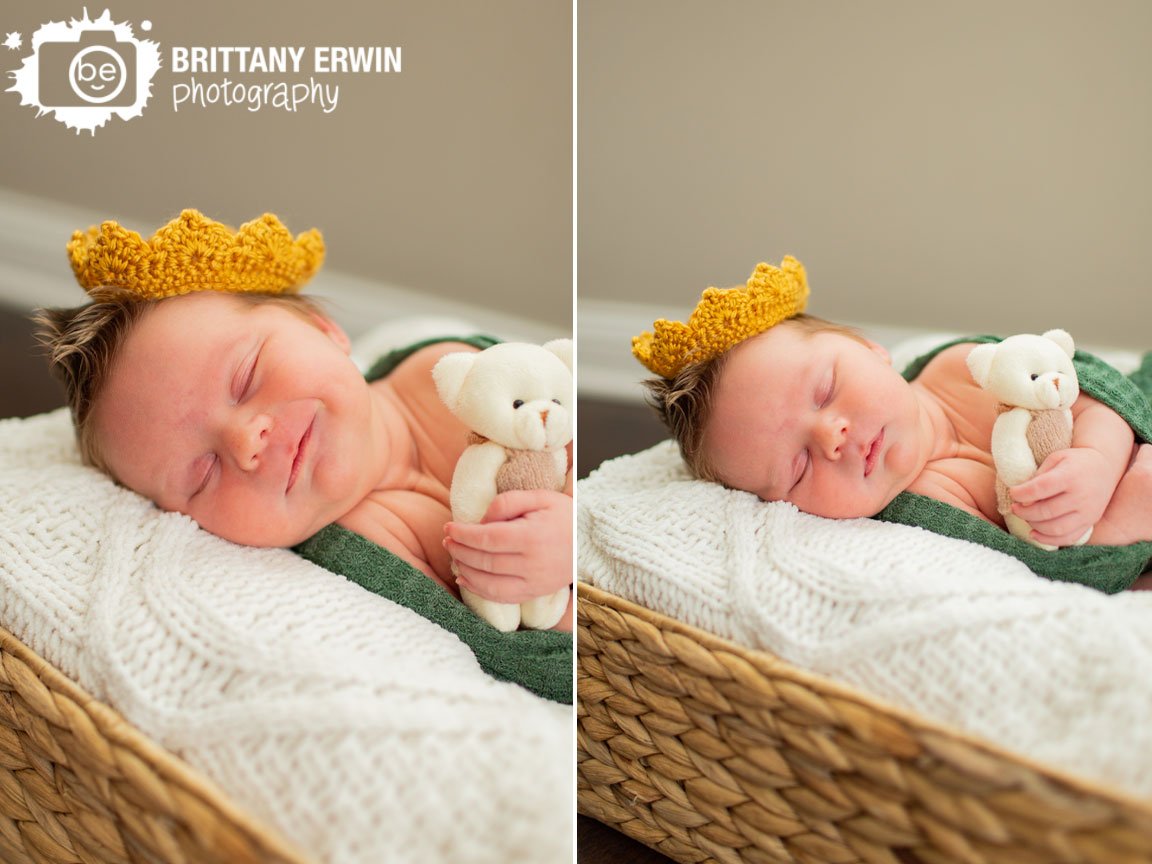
[[200, 303], [172, 327], [773, 353]]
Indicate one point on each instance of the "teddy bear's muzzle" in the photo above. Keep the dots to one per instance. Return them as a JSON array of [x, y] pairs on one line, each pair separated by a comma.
[[541, 426], [1054, 390]]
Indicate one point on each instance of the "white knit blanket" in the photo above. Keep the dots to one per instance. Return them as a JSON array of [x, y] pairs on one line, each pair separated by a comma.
[[360, 731], [951, 630]]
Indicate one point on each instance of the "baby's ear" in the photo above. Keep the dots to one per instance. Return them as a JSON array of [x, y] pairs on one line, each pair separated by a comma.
[[879, 350], [333, 331], [1063, 339], [980, 363], [449, 374]]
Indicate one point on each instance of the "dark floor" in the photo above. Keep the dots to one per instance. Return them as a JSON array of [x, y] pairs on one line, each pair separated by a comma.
[[596, 843], [26, 387], [608, 428]]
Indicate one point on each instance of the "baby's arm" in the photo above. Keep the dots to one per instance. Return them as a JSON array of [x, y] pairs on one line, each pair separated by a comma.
[[1128, 518], [1072, 489]]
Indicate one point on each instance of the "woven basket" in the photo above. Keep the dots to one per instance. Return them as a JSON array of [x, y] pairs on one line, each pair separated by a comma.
[[79, 784], [710, 752]]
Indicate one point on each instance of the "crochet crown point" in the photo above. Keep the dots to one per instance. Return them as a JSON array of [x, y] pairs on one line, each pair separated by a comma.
[[724, 317], [195, 253]]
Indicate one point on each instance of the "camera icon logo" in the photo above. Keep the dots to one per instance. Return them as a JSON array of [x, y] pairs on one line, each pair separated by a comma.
[[98, 69], [84, 72]]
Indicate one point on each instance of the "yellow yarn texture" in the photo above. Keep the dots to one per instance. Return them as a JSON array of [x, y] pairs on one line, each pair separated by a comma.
[[724, 317], [195, 253]]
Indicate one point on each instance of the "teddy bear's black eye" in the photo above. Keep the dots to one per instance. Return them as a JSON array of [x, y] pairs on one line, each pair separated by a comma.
[[516, 403], [1034, 376], [557, 401]]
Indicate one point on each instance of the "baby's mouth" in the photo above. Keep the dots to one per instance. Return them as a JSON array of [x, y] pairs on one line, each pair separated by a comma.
[[873, 453], [298, 457]]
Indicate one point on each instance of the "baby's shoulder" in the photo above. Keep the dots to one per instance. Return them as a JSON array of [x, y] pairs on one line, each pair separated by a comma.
[[419, 363], [411, 380], [949, 365]]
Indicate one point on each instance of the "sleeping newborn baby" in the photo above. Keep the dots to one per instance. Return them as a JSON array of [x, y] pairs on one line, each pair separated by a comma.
[[812, 413], [246, 412]]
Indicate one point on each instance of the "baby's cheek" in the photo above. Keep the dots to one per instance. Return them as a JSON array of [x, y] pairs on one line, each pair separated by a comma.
[[901, 459]]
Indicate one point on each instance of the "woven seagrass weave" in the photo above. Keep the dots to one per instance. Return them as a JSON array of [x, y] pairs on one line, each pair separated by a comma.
[[79, 784], [710, 752]]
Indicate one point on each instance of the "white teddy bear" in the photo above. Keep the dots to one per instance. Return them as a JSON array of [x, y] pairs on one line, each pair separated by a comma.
[[517, 400], [1036, 383]]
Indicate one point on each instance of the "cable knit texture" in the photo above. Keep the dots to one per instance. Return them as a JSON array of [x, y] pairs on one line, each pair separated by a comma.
[[359, 730], [954, 631]]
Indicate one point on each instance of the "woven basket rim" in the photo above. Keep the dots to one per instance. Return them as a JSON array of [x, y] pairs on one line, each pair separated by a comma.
[[772, 664], [117, 729]]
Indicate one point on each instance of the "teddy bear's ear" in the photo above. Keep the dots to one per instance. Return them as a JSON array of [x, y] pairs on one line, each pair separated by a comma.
[[980, 363], [449, 374], [1061, 338], [562, 348]]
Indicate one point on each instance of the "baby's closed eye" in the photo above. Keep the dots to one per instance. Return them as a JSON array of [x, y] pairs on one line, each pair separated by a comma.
[[245, 374]]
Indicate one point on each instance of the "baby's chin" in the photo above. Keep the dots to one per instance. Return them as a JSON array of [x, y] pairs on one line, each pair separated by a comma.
[[843, 508], [264, 536]]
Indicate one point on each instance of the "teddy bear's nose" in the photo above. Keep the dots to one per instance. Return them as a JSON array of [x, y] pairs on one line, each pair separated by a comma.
[[544, 416], [1056, 382]]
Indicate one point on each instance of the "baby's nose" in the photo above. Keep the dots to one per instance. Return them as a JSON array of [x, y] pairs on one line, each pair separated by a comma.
[[247, 440], [831, 433]]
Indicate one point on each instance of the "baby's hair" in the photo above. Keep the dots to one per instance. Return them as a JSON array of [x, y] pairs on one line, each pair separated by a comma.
[[684, 403], [82, 344]]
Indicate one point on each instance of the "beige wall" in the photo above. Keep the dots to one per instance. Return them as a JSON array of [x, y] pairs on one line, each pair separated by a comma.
[[454, 177], [980, 166]]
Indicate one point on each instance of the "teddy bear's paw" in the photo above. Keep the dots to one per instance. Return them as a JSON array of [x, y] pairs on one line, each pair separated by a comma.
[[542, 613], [505, 617]]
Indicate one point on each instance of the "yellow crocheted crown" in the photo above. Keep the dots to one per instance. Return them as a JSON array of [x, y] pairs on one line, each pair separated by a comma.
[[725, 317], [195, 253]]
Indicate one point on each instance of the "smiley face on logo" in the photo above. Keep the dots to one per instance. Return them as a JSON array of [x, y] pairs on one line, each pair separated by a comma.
[[97, 74]]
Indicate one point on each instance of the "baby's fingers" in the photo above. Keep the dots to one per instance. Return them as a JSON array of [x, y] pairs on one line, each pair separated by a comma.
[[491, 586], [517, 503], [483, 561], [1043, 510], [1070, 525], [1037, 488], [491, 537]]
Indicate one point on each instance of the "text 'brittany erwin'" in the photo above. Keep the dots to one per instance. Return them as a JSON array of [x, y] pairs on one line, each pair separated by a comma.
[[284, 59]]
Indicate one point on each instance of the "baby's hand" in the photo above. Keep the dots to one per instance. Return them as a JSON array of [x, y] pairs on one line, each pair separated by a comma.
[[522, 548], [1066, 497]]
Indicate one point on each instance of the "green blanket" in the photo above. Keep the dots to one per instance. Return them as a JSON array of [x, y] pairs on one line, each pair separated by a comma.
[[1106, 568], [538, 660]]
